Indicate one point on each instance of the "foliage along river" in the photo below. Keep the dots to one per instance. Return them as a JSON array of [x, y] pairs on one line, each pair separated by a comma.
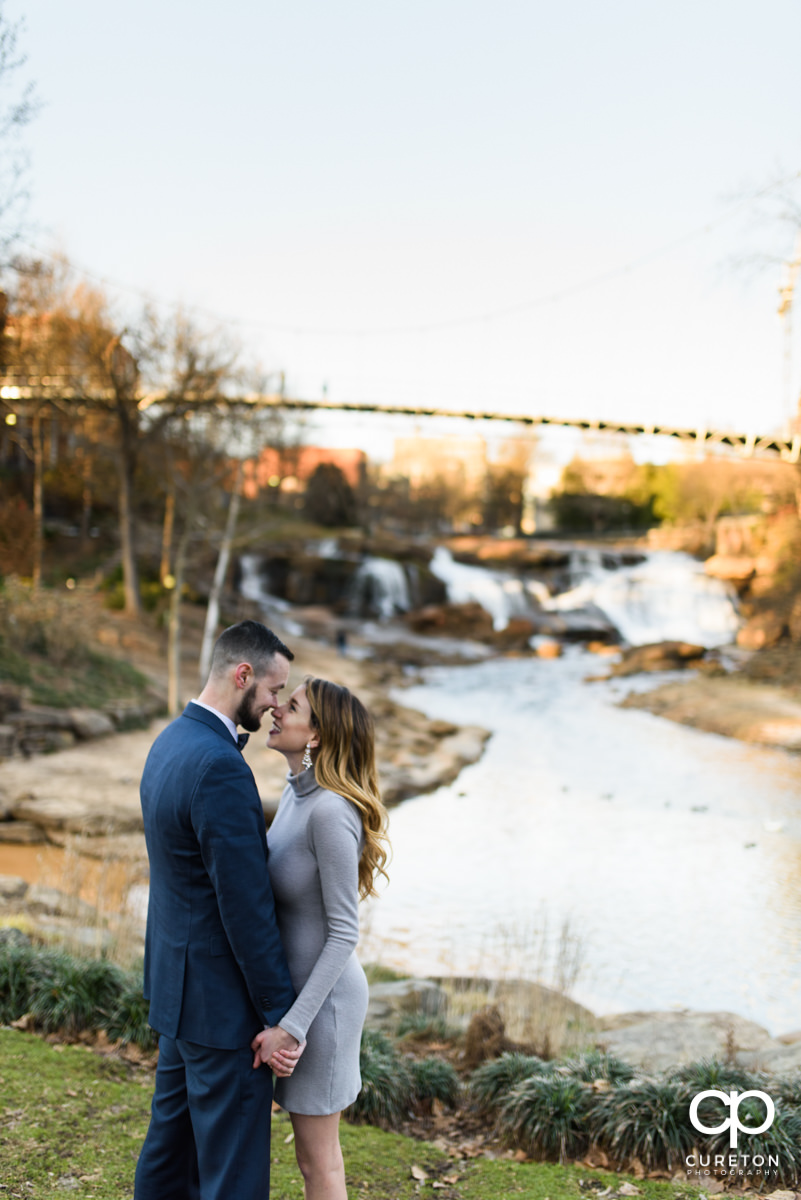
[[671, 856]]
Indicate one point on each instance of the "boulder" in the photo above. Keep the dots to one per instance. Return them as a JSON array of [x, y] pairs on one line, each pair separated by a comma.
[[468, 620], [8, 740], [737, 568], [22, 833], [40, 730], [390, 1001], [10, 699], [586, 624], [40, 718], [74, 816], [658, 656], [515, 636], [658, 1041], [128, 715], [12, 887], [764, 629], [548, 648], [89, 723], [41, 900], [414, 770]]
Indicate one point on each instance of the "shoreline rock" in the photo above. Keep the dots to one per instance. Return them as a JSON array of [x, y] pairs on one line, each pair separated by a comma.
[[657, 1041]]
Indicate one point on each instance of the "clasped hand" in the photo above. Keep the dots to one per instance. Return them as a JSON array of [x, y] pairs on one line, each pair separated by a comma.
[[277, 1049]]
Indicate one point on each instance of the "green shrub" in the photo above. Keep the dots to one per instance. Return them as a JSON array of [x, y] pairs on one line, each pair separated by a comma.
[[387, 1090], [68, 995], [42, 622], [15, 981], [711, 1073], [72, 994], [597, 1065], [494, 1080], [546, 1116], [423, 1025], [788, 1090], [127, 1020], [782, 1139], [646, 1119], [434, 1079]]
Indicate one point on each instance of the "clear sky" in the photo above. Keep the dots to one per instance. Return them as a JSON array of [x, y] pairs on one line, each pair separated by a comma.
[[353, 182]]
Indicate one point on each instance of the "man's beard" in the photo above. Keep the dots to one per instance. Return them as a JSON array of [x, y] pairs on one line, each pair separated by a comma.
[[246, 714]]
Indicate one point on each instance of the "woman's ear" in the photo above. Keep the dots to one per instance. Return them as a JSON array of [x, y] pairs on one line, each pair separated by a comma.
[[314, 741]]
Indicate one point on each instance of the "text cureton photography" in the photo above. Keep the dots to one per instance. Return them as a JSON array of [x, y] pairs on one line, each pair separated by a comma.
[[737, 1162]]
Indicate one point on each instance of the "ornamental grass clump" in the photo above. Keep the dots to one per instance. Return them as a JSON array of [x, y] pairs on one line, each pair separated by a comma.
[[546, 1116], [434, 1079], [711, 1074], [787, 1089], [492, 1082], [778, 1148], [387, 1090], [425, 1027], [127, 1020], [597, 1065], [16, 977], [647, 1119], [69, 995]]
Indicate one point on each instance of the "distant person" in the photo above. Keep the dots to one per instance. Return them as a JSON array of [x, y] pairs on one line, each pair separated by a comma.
[[215, 969], [342, 641], [326, 843]]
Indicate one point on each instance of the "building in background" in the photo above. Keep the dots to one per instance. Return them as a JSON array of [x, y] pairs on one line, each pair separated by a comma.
[[289, 468]]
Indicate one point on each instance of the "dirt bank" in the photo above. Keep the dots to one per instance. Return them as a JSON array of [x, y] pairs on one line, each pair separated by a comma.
[[732, 705]]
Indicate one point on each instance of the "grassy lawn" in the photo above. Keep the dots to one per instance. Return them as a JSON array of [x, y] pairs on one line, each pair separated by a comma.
[[72, 1123]]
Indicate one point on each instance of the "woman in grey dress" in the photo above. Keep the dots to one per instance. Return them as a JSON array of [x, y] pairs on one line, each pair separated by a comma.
[[326, 844]]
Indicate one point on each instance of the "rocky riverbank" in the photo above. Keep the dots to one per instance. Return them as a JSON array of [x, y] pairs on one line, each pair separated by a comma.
[[89, 790], [733, 706], [533, 1016]]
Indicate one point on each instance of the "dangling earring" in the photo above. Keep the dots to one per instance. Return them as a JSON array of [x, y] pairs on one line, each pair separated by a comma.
[[307, 758]]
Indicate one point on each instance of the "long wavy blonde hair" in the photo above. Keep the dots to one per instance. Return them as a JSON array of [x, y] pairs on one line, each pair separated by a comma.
[[345, 764]]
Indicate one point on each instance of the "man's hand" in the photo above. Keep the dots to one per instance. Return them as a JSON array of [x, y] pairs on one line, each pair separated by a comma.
[[277, 1048]]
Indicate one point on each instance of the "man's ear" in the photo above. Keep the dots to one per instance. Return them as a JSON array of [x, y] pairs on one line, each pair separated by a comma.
[[243, 675]]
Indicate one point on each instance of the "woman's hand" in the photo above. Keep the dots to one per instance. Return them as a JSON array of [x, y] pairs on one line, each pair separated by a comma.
[[270, 1043], [283, 1062]]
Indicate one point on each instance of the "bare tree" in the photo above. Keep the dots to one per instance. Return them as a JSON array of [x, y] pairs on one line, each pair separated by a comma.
[[18, 106], [32, 356]]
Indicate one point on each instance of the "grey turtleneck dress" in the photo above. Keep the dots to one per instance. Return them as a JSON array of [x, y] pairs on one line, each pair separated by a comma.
[[315, 843]]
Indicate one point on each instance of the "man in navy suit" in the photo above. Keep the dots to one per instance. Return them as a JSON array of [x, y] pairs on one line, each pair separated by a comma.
[[215, 971]]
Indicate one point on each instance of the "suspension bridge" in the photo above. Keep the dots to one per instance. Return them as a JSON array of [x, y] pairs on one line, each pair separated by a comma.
[[15, 393]]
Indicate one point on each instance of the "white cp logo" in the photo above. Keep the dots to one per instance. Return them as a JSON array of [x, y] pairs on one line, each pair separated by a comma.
[[733, 1100]]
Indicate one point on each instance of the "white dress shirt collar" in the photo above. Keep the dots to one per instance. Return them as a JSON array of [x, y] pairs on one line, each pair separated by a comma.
[[227, 722]]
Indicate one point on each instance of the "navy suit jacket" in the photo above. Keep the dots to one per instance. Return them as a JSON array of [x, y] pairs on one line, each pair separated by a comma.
[[215, 969]]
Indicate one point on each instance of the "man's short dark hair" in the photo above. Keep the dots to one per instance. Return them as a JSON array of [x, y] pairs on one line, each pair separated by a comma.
[[247, 641]]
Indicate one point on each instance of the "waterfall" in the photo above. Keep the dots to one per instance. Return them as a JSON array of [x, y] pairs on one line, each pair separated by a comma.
[[254, 583], [380, 586], [665, 597], [501, 594]]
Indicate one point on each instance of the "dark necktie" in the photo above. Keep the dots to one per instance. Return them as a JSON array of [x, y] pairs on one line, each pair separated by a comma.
[[242, 740]]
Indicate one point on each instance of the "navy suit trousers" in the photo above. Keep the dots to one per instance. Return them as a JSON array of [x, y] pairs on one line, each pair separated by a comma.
[[210, 1120]]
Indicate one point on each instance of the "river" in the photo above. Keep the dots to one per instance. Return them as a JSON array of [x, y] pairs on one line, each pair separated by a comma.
[[666, 859]]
